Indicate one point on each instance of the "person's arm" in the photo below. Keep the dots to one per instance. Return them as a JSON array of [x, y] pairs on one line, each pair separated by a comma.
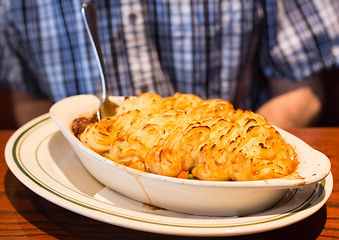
[[27, 106], [294, 104]]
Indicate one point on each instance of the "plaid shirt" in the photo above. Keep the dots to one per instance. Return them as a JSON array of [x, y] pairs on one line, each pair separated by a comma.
[[165, 46]]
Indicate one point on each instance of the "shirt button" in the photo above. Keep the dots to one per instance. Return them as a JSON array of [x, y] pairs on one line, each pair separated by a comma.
[[144, 88], [132, 17]]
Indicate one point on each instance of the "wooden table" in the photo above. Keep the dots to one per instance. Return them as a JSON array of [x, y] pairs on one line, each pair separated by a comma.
[[25, 215]]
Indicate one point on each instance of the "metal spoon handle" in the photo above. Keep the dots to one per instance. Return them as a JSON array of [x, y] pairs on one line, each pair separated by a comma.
[[89, 18]]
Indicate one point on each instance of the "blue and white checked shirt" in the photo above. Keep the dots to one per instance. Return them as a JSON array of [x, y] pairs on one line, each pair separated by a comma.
[[164, 46]]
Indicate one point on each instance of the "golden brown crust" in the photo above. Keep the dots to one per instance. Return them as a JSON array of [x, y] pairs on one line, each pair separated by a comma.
[[209, 138]]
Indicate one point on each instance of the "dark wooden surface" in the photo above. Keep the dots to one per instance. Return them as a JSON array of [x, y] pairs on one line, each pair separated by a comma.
[[25, 215]]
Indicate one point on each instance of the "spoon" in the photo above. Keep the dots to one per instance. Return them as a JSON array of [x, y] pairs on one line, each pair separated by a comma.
[[107, 108]]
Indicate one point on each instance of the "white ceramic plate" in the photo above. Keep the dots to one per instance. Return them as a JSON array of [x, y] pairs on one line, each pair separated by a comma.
[[41, 158]]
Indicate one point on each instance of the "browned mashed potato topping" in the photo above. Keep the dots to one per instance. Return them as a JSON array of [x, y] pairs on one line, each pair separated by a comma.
[[187, 137]]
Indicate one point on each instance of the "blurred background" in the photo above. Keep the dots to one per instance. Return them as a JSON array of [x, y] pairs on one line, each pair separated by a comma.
[[328, 118]]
